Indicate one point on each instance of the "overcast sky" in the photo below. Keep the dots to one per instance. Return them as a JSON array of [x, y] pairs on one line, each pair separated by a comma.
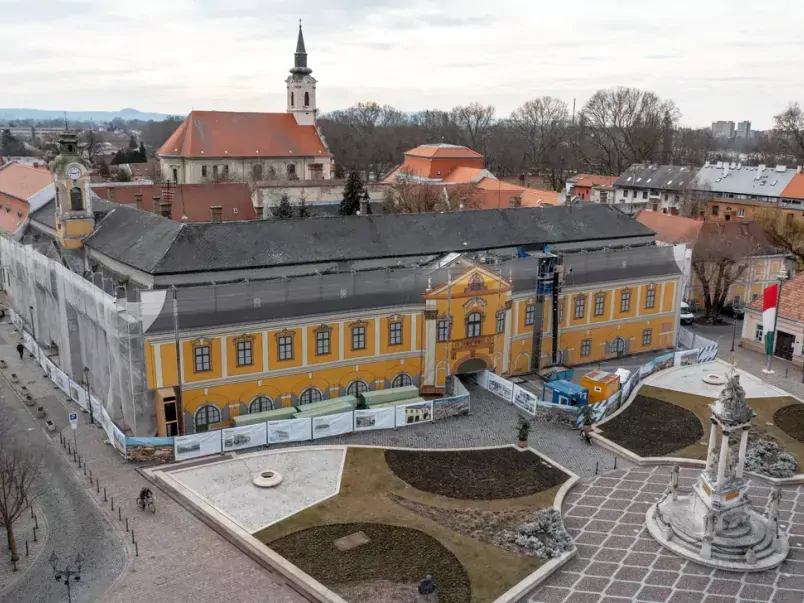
[[718, 59]]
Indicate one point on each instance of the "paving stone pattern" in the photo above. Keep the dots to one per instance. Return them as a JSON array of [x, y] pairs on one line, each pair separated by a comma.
[[24, 532], [619, 562]]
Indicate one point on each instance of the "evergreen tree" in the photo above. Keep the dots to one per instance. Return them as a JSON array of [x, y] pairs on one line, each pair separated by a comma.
[[103, 169], [132, 143], [143, 155], [283, 210], [303, 209], [353, 193]]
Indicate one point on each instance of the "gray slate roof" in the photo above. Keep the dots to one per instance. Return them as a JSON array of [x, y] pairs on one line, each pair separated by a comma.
[[158, 246], [233, 303], [658, 177], [745, 180]]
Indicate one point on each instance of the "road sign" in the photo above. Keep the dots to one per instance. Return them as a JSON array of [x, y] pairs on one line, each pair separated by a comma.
[[73, 416]]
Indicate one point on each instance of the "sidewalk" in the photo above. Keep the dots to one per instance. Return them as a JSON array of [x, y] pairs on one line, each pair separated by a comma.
[[180, 558], [786, 375]]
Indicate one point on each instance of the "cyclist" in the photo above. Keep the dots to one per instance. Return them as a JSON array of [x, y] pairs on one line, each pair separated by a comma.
[[146, 495]]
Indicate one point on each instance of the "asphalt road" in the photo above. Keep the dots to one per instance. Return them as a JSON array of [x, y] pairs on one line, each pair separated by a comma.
[[76, 524]]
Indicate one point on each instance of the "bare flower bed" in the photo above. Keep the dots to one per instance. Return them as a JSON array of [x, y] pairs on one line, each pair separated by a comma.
[[790, 419]]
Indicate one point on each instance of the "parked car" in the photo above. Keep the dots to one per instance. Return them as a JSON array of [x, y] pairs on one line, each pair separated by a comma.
[[736, 311], [685, 314]]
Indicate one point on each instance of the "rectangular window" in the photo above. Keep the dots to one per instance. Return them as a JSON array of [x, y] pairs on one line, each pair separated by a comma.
[[244, 357], [358, 338], [500, 322], [256, 171], [650, 299], [644, 194], [202, 362], [395, 333], [225, 171], [215, 171], [586, 347], [647, 336], [443, 330], [758, 332], [715, 210], [625, 300], [736, 300], [203, 171], [741, 212], [580, 306], [322, 343], [625, 194], [600, 305], [286, 348], [530, 314]]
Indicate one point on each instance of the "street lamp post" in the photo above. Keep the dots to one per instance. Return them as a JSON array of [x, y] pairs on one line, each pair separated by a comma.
[[33, 327], [733, 332], [67, 572], [89, 396]]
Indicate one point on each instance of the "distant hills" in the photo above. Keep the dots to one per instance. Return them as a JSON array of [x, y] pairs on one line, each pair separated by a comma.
[[96, 116]]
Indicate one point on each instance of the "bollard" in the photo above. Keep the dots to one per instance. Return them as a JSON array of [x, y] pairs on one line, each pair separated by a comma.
[[119, 514], [34, 534], [79, 461], [26, 548], [132, 536], [90, 476], [615, 462], [36, 522], [136, 550], [126, 522], [596, 466], [68, 448], [785, 372], [104, 494], [61, 439], [112, 503], [32, 512], [97, 486], [85, 465], [74, 455], [14, 561]]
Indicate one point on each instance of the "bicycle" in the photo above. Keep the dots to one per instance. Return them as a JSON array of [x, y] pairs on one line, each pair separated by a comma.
[[149, 503]]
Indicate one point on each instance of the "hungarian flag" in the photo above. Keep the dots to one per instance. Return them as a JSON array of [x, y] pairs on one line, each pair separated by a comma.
[[769, 298]]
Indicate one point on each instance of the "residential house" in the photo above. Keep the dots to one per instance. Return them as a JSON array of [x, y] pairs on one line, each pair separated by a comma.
[[592, 187], [789, 337], [23, 188], [738, 192], [653, 187]]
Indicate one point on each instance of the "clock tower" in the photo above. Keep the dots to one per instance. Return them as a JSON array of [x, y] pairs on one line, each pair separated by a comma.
[[301, 86], [74, 217]]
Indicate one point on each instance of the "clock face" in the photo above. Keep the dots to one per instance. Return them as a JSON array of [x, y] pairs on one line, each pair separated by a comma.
[[74, 173]]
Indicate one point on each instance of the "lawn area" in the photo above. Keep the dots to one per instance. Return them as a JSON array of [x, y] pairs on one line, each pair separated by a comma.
[[412, 532], [663, 436]]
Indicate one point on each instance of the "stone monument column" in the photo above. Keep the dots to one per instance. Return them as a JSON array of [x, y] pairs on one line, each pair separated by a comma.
[[710, 455], [743, 447], [724, 459]]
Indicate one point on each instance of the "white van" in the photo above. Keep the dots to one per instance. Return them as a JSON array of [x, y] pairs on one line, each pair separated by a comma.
[[685, 314]]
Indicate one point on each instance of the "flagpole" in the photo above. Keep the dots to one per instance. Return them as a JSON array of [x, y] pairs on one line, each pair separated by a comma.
[[782, 277]]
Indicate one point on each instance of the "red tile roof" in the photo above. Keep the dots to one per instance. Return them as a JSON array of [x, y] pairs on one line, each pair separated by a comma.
[[670, 229], [794, 190], [23, 181], [590, 180], [536, 197], [463, 175], [217, 134], [444, 151], [791, 306], [13, 213], [192, 200]]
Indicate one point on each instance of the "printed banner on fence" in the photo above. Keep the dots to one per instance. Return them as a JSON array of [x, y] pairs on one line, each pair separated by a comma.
[[630, 385], [27, 341], [525, 400], [332, 425], [444, 408], [289, 430], [482, 379], [500, 387], [61, 380], [150, 449], [379, 418], [248, 436], [686, 358], [78, 395], [708, 353], [411, 414], [199, 444], [118, 437]]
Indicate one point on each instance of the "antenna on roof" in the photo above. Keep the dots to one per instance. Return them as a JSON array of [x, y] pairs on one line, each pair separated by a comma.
[[66, 127]]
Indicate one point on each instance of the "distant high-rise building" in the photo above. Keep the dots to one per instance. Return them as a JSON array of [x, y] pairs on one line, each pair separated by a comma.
[[743, 129], [723, 129]]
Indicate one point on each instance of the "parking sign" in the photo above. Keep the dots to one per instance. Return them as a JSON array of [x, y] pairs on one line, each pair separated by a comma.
[[73, 416]]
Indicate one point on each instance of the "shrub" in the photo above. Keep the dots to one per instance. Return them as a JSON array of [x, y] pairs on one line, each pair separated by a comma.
[[522, 430], [769, 458], [545, 536]]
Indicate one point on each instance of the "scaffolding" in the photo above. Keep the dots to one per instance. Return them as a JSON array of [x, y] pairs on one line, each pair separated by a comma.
[[82, 326]]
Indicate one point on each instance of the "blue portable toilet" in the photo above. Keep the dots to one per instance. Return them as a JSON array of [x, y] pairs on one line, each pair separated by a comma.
[[565, 393]]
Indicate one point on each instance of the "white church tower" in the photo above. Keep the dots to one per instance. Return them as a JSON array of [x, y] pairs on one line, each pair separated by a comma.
[[301, 86]]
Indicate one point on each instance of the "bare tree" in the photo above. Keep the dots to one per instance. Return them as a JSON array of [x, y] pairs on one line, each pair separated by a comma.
[[621, 126], [475, 122], [437, 126], [409, 196], [789, 131], [784, 230], [19, 472], [542, 124], [92, 144], [721, 255], [692, 199]]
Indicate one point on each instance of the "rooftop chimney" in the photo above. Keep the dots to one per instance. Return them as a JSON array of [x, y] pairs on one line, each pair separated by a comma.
[[165, 208], [364, 207], [138, 200], [216, 213], [156, 204]]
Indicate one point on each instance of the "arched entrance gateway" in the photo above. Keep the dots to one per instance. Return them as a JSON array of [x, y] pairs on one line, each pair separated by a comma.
[[471, 365]]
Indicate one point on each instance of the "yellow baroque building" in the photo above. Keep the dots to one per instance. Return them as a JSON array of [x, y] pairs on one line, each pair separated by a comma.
[[468, 317]]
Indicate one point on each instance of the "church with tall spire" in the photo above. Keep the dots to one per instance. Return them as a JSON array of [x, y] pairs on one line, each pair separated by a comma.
[[219, 146]]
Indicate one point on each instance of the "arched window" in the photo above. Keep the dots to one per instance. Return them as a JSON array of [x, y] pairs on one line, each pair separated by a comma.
[[76, 199], [402, 380], [475, 283], [310, 395], [473, 324], [260, 404], [292, 99], [306, 99], [618, 346], [205, 416], [357, 387]]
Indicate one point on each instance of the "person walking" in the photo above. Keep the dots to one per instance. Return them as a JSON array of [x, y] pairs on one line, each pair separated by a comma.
[[20, 350]]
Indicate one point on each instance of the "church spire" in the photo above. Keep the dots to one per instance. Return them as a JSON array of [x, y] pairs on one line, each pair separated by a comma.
[[300, 67]]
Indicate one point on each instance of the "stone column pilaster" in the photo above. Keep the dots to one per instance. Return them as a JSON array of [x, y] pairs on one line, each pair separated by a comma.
[[724, 459], [710, 455], [743, 447]]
